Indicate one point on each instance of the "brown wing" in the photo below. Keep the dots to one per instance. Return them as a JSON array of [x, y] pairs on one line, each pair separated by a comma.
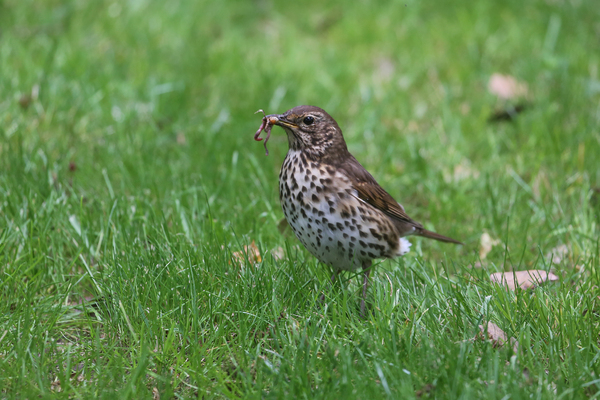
[[371, 193], [376, 196]]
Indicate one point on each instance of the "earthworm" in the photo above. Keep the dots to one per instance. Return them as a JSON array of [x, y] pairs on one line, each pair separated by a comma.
[[266, 126]]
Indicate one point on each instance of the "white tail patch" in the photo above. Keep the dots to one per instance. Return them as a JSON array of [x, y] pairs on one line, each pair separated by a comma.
[[404, 246]]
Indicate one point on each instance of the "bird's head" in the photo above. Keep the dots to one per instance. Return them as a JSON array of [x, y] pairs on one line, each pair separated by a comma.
[[311, 130]]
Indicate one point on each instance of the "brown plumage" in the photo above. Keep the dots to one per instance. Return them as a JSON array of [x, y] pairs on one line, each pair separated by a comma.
[[333, 204]]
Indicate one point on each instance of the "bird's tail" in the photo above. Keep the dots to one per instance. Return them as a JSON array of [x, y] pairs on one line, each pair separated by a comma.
[[437, 236]]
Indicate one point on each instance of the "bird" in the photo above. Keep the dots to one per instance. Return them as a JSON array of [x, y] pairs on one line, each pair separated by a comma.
[[334, 206]]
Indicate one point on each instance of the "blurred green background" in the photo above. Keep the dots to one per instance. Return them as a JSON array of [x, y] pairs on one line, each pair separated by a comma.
[[129, 177]]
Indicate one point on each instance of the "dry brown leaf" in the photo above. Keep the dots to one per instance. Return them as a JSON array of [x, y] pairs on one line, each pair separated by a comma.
[[485, 244], [278, 253], [425, 390], [462, 170], [506, 87], [557, 254], [251, 251], [465, 170], [385, 69], [55, 385], [523, 279], [494, 333], [497, 336]]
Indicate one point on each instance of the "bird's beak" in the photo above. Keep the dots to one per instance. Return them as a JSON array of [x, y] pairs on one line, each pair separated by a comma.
[[279, 119]]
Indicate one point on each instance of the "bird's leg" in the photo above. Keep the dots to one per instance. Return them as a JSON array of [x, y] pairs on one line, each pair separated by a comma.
[[333, 279], [366, 272]]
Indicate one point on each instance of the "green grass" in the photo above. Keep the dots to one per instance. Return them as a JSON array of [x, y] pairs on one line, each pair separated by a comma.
[[130, 178]]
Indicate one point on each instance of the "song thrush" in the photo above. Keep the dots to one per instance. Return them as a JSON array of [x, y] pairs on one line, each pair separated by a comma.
[[334, 206]]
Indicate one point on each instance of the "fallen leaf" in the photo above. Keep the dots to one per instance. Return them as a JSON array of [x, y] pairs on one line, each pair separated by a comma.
[[485, 244], [425, 390], [494, 333], [251, 252], [557, 254], [278, 253], [385, 69], [476, 264], [506, 87], [497, 336], [523, 279], [465, 170], [55, 385]]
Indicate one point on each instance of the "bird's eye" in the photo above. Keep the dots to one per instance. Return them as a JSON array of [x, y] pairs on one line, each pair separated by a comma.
[[308, 120]]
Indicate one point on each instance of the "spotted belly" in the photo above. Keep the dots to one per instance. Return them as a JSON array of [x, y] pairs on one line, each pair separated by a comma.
[[326, 215]]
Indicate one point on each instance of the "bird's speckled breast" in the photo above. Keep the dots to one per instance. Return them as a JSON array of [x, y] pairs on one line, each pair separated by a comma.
[[329, 219]]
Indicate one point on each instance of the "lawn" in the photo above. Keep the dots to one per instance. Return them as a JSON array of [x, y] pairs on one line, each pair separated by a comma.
[[131, 192]]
